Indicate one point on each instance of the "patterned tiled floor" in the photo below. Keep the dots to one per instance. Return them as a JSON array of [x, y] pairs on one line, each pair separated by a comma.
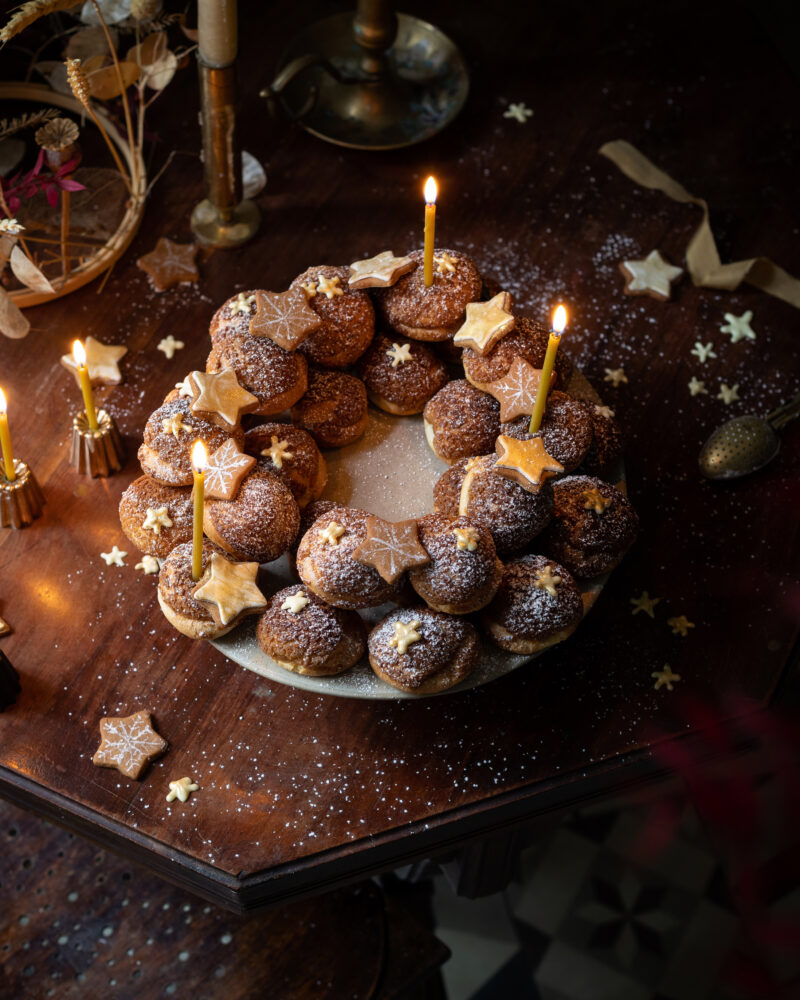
[[584, 921]]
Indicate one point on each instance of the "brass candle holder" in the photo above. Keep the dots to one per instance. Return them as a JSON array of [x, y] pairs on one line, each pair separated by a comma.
[[21, 499], [98, 452]]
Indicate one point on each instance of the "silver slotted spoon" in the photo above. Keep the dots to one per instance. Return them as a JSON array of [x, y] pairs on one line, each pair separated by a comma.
[[746, 444]]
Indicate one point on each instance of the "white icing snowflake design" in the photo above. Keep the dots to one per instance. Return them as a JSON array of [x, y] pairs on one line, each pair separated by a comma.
[[130, 742], [225, 469]]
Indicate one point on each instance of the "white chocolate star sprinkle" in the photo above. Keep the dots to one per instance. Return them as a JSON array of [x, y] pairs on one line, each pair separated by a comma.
[[604, 411], [399, 353], [113, 558], [652, 276], [329, 287], [184, 388], [728, 393], [615, 376], [519, 112], [295, 603], [739, 327], [665, 678], [148, 565], [242, 305], [155, 519], [703, 351], [332, 533], [405, 635], [680, 625], [644, 603], [445, 264], [697, 386], [169, 345], [547, 580], [181, 789], [175, 425], [278, 452], [466, 538], [310, 288]]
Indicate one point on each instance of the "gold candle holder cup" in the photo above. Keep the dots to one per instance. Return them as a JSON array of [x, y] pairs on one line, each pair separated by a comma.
[[100, 452], [21, 499]]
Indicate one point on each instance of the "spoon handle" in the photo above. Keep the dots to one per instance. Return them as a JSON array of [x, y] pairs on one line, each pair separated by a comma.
[[782, 415]]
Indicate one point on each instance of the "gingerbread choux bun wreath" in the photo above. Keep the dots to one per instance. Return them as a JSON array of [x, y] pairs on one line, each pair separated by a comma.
[[522, 525]]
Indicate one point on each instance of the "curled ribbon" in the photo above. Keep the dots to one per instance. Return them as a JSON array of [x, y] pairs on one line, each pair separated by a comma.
[[702, 256]]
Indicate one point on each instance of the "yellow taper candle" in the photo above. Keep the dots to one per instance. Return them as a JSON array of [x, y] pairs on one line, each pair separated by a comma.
[[559, 322], [5, 440], [79, 354], [430, 229], [199, 462]]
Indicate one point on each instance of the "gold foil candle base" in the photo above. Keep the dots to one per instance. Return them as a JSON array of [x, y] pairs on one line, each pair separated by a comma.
[[21, 501], [100, 452]]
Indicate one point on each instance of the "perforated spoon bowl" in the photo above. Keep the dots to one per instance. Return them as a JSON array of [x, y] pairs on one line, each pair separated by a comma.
[[746, 444]]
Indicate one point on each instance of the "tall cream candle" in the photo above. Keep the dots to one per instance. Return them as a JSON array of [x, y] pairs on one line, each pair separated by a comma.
[[216, 32]]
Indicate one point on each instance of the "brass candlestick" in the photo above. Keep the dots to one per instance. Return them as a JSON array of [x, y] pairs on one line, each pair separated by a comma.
[[222, 219], [96, 452], [21, 499], [371, 79]]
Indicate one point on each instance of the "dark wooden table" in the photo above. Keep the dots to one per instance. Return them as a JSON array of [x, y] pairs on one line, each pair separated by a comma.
[[300, 793]]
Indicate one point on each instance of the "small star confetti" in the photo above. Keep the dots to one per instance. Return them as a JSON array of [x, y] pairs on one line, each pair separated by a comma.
[[113, 558], [381, 271], [405, 635], [285, 317], [445, 264], [101, 360], [155, 519], [594, 500], [181, 789], [466, 538], [680, 625], [516, 390], [652, 276], [219, 394], [169, 345], [170, 264], [703, 351], [399, 353], [665, 678], [278, 452], [148, 565], [615, 376], [644, 603], [697, 386], [128, 744], [295, 603], [739, 327], [175, 425], [546, 580], [526, 462], [486, 323], [243, 304], [332, 533], [230, 589], [329, 287], [519, 112], [728, 393]]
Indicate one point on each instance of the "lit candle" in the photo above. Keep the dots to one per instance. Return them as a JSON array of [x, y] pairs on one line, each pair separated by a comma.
[[86, 384], [5, 440], [559, 322], [199, 462], [216, 32], [430, 229]]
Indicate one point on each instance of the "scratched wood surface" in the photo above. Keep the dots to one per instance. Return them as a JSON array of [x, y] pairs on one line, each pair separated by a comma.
[[298, 792]]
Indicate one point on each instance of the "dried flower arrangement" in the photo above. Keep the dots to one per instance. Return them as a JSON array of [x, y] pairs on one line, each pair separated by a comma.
[[117, 51]]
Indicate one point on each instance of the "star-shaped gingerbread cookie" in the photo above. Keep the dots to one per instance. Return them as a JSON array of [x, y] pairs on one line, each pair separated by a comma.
[[380, 271], [101, 360], [487, 322], [526, 462], [218, 394], [652, 276], [391, 547], [229, 590], [129, 744], [285, 317], [516, 390], [170, 263], [226, 469]]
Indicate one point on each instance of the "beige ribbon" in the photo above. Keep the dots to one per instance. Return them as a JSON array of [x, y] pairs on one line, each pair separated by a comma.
[[702, 257]]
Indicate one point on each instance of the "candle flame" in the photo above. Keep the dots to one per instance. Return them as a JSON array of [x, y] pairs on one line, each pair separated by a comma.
[[3, 404], [199, 456], [79, 354], [559, 320], [431, 190]]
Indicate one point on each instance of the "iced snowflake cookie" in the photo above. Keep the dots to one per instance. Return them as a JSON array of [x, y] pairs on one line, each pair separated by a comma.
[[129, 744], [307, 636], [422, 651], [536, 605]]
